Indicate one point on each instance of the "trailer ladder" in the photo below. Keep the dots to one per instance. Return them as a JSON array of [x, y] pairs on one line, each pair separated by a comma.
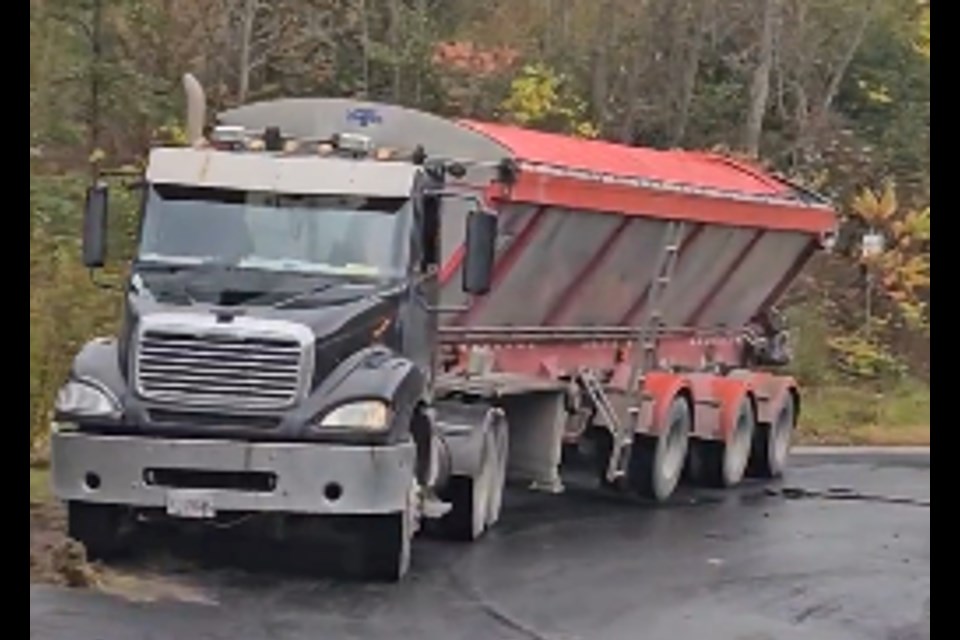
[[645, 347]]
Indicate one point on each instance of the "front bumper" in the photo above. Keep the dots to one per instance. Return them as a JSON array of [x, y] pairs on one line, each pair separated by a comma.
[[371, 479]]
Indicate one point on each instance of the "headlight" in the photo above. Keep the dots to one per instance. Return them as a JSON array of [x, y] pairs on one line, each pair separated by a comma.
[[83, 399], [370, 415]]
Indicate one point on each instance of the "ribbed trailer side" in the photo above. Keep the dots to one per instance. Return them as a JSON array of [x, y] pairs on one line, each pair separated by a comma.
[[583, 228], [566, 268]]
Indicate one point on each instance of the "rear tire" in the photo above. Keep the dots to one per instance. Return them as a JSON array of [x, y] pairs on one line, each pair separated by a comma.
[[101, 528], [723, 464], [476, 501], [771, 443], [656, 462]]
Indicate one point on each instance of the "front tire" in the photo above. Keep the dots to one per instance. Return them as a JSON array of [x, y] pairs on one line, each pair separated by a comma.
[[656, 462], [101, 528], [386, 547]]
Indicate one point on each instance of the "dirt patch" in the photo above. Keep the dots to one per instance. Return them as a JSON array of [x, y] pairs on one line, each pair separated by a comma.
[[54, 557], [57, 559]]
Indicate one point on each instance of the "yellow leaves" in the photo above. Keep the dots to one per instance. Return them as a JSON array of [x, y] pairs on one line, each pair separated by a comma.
[[586, 130], [860, 357], [97, 156], [171, 134], [539, 96], [878, 94], [921, 40], [916, 225], [876, 208], [903, 268]]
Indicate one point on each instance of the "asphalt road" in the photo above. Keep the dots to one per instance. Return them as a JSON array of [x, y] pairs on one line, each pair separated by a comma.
[[839, 550]]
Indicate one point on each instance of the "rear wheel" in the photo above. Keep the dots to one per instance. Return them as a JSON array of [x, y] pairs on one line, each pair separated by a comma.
[[656, 462], [476, 501], [101, 528], [771, 444], [723, 464]]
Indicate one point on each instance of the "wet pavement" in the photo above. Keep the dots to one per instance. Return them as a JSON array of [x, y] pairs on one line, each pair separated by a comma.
[[839, 550]]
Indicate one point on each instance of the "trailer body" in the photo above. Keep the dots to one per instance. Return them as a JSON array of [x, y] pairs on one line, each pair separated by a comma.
[[603, 303]]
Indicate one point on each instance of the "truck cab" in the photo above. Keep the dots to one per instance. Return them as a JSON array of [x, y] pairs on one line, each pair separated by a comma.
[[277, 348]]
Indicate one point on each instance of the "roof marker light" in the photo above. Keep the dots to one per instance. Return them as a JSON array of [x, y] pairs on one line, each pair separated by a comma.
[[354, 143]]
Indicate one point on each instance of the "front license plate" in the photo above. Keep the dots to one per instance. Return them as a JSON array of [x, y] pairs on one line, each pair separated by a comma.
[[190, 504]]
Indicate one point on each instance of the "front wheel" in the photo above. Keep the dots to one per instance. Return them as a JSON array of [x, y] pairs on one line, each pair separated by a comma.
[[386, 547], [101, 528]]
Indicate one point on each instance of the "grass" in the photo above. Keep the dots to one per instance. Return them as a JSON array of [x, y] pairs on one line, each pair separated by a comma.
[[847, 415], [40, 485]]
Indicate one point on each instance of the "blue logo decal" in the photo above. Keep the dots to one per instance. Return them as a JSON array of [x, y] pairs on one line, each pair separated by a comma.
[[364, 116]]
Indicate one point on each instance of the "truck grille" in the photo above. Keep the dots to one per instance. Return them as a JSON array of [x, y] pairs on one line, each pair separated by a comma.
[[231, 370]]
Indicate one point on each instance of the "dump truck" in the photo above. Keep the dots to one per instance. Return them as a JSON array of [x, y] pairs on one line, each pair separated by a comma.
[[360, 316]]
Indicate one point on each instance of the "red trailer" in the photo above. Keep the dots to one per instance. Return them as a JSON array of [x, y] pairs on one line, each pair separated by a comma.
[[642, 282]]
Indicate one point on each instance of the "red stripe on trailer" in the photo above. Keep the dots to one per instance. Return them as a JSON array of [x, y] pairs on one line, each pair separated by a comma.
[[642, 298], [790, 276], [509, 258], [592, 195], [724, 277], [569, 294], [456, 259], [489, 194]]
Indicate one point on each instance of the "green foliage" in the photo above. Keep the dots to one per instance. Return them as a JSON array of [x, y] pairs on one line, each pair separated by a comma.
[[861, 414], [861, 358], [66, 308]]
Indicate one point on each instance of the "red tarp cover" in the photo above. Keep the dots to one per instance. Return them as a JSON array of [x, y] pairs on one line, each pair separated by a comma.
[[683, 167]]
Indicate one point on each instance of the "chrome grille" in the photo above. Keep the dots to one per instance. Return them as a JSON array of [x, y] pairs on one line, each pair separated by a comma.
[[220, 369]]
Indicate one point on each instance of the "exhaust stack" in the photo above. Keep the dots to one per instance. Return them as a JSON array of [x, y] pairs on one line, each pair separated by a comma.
[[196, 108]]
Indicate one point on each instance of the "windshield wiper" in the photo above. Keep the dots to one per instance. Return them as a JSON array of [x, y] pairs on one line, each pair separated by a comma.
[[303, 294]]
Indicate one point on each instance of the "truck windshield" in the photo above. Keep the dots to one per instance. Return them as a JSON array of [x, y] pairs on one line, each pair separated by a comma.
[[350, 235]]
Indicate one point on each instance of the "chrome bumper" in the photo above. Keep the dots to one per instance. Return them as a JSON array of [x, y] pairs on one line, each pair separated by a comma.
[[370, 479]]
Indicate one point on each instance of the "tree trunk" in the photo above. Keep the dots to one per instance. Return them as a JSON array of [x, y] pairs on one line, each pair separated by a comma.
[[365, 31], [398, 46], [96, 46], [815, 117], [604, 38], [690, 71], [760, 88], [246, 36], [837, 78]]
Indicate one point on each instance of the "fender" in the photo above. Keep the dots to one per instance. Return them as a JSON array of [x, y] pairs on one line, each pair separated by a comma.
[[731, 392], [660, 389], [771, 392], [461, 428], [374, 372], [99, 359]]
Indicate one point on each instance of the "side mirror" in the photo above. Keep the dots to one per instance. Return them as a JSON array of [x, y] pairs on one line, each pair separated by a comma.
[[480, 252], [95, 227]]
